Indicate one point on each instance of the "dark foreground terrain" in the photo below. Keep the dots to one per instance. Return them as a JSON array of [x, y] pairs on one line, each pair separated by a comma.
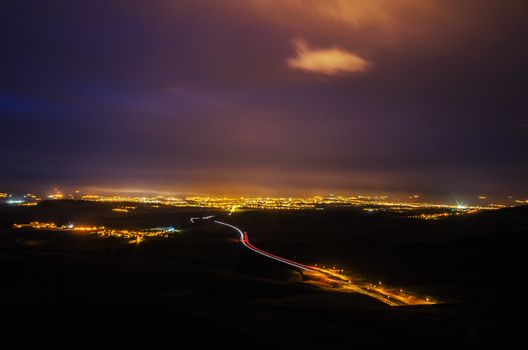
[[83, 290]]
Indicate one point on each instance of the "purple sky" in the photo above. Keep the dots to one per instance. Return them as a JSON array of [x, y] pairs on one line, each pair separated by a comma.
[[265, 96]]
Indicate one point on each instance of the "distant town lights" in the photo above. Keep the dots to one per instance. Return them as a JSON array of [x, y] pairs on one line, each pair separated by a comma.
[[461, 206]]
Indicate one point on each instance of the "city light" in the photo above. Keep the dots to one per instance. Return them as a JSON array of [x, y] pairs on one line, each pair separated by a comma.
[[15, 201], [137, 235], [56, 194], [461, 206], [234, 204]]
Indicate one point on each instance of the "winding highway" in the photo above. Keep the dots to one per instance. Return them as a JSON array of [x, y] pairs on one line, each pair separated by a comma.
[[245, 241], [342, 282]]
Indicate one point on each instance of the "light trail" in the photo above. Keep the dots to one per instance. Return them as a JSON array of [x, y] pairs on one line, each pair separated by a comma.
[[343, 282], [202, 218], [245, 241]]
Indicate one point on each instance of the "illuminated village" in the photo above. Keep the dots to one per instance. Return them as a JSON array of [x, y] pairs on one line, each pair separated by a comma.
[[135, 236]]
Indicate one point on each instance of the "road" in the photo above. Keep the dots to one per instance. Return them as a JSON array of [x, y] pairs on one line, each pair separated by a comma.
[[325, 278], [244, 239]]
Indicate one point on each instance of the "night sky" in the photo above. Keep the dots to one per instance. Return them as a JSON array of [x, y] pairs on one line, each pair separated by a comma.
[[265, 97]]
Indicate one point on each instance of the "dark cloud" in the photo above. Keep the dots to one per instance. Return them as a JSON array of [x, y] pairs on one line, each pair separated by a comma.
[[198, 96]]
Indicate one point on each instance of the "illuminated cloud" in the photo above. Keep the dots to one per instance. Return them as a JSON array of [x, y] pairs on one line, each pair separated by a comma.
[[333, 61], [357, 13]]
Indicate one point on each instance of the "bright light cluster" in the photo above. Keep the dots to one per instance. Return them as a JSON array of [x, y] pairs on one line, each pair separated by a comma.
[[137, 236], [435, 216], [337, 278], [232, 204], [124, 209]]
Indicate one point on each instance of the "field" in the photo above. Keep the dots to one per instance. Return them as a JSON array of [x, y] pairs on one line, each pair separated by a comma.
[[201, 280]]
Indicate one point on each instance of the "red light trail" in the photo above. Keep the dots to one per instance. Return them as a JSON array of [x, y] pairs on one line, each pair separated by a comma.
[[323, 277]]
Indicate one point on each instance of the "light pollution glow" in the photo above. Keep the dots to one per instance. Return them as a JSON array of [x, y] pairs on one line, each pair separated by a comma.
[[222, 102]]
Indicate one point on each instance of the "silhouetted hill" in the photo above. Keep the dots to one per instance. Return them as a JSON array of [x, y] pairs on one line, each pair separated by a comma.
[[203, 279]]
